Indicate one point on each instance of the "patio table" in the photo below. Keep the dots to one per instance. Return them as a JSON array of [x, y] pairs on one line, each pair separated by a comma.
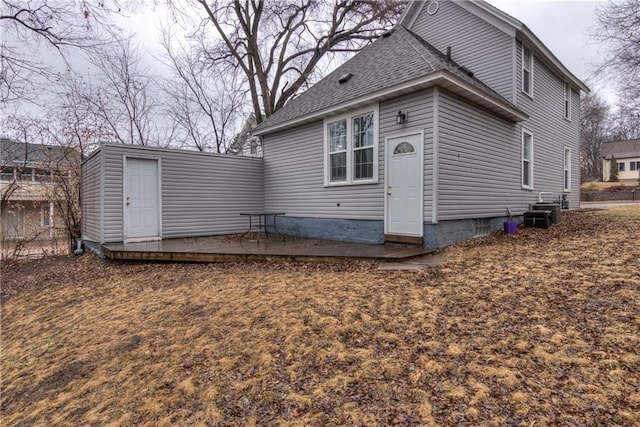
[[261, 217]]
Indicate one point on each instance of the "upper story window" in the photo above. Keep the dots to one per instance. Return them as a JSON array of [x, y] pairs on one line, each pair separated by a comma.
[[351, 148], [567, 101], [527, 70], [527, 159]]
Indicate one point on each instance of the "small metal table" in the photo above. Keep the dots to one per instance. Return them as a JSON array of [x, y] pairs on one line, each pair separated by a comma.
[[262, 222]]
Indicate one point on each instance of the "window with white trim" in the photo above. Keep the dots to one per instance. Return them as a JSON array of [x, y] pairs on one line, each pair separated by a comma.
[[527, 159], [567, 101], [620, 166], [45, 214], [567, 169], [527, 70], [634, 166], [351, 148]]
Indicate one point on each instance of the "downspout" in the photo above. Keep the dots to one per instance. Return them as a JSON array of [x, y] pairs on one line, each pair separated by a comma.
[[436, 143]]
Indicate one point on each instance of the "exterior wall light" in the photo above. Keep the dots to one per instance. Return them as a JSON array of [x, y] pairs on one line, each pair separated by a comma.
[[401, 118]]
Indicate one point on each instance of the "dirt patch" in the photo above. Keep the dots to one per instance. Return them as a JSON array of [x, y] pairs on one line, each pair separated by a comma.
[[536, 328]]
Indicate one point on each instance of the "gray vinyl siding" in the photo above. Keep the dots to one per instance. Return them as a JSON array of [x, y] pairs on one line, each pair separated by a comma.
[[294, 166], [90, 196], [475, 44], [201, 193], [551, 131], [294, 179], [204, 194], [479, 163], [420, 109]]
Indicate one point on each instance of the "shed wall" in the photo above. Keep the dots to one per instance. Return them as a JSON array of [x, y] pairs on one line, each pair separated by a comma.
[[201, 193], [90, 195]]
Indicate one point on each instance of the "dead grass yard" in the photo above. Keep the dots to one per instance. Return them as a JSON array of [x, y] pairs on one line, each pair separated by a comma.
[[537, 328]]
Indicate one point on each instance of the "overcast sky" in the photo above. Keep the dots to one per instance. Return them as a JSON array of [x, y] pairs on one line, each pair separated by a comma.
[[564, 27]]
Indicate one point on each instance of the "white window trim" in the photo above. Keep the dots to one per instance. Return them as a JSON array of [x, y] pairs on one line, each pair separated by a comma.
[[46, 214], [531, 68], [566, 106], [567, 169], [350, 169], [522, 159]]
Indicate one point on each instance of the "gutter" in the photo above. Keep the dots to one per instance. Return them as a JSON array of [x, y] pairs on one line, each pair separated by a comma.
[[439, 78]]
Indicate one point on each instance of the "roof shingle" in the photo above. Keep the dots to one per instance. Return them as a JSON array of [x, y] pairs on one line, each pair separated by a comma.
[[397, 57]]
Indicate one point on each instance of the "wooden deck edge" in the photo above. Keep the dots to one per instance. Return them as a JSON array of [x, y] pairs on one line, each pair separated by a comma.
[[230, 258]]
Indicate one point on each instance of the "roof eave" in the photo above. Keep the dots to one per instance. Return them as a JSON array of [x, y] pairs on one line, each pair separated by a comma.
[[549, 58], [440, 78]]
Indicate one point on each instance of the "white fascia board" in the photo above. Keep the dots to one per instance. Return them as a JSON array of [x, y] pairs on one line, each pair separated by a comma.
[[549, 58], [411, 13], [420, 83], [492, 15]]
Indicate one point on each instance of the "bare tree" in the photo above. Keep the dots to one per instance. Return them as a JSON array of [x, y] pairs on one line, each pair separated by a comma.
[[278, 45], [207, 103], [594, 131], [619, 29], [626, 122], [126, 98], [58, 25]]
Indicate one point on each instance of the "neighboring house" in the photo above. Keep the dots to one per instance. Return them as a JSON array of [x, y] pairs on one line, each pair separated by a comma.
[[627, 154], [244, 143], [27, 191], [429, 135]]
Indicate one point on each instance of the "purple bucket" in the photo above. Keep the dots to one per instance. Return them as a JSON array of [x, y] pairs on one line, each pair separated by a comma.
[[510, 227]]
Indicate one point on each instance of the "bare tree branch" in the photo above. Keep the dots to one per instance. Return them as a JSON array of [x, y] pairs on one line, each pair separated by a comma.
[[279, 46]]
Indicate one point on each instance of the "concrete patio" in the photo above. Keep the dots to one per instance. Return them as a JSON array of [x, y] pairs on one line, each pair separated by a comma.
[[240, 249]]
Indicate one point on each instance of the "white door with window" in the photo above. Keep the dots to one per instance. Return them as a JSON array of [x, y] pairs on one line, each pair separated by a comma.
[[141, 200], [404, 182]]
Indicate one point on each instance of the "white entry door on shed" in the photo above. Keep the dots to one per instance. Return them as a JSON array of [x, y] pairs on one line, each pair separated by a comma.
[[404, 180], [141, 200]]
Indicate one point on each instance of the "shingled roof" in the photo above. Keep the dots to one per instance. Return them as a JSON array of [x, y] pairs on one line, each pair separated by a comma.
[[621, 149], [14, 153], [398, 62]]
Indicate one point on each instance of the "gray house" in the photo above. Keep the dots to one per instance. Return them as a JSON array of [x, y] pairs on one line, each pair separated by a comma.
[[426, 136]]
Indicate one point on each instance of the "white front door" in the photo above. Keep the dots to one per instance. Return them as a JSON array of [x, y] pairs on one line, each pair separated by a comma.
[[141, 207], [404, 180]]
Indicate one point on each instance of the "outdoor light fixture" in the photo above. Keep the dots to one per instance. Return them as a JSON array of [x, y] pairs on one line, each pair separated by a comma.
[[401, 118]]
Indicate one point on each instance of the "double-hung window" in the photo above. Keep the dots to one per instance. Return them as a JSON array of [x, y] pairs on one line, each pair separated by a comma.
[[567, 169], [527, 160], [45, 215], [634, 166], [527, 70], [351, 148], [620, 166], [567, 101]]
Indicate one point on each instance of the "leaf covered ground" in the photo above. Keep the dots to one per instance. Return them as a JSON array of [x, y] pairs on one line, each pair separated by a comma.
[[537, 328]]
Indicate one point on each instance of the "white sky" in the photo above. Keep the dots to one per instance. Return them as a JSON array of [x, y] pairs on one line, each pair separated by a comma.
[[564, 27]]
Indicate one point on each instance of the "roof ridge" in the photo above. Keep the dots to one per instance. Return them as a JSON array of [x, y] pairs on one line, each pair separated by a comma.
[[409, 42]]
